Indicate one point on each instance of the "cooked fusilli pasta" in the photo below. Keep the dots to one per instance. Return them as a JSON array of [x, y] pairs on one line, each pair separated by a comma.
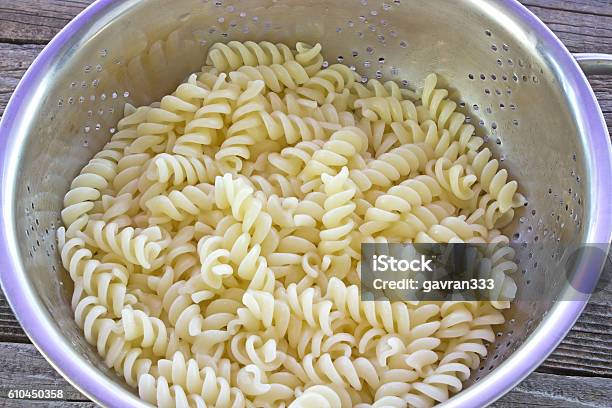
[[214, 242]]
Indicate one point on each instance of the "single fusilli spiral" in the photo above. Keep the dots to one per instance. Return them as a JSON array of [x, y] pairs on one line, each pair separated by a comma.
[[141, 248], [234, 54], [253, 349], [202, 122], [247, 259], [100, 330], [263, 311], [387, 109], [292, 128], [180, 204], [495, 181], [341, 148], [145, 331], [179, 169], [394, 317], [320, 396], [444, 114], [453, 230], [292, 159], [309, 307], [337, 221], [276, 77], [327, 83], [87, 188], [240, 135], [391, 167], [452, 178], [105, 280], [342, 371], [488, 213], [237, 196], [306, 339], [399, 202]]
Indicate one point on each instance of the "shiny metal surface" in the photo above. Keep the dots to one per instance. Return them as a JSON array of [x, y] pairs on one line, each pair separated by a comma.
[[595, 64], [514, 79]]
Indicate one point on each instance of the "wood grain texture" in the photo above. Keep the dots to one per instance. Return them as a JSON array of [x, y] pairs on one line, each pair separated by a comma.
[[14, 61], [579, 29], [27, 369], [549, 390], [36, 21], [577, 374]]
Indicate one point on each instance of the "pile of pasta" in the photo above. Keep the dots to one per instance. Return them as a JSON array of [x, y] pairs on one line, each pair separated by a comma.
[[214, 242]]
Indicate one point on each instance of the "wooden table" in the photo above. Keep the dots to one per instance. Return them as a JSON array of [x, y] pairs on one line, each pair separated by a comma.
[[577, 374]]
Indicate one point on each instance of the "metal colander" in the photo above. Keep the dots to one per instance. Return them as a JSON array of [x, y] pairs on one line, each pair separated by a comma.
[[512, 77]]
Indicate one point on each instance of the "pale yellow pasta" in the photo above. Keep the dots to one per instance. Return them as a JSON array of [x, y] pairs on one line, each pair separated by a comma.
[[318, 396], [391, 166], [494, 181], [214, 242], [236, 54]]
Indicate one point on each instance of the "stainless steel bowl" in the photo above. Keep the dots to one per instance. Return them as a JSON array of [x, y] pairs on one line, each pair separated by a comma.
[[515, 79]]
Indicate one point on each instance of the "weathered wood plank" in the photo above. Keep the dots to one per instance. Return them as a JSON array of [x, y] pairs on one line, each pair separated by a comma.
[[10, 330], [594, 7], [548, 390], [579, 31], [36, 21], [14, 61], [24, 368]]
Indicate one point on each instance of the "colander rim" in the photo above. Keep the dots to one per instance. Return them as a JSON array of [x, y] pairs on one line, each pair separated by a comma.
[[37, 322]]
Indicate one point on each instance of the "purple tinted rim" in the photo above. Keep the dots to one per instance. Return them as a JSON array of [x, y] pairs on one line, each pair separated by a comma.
[[15, 286], [87, 379]]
